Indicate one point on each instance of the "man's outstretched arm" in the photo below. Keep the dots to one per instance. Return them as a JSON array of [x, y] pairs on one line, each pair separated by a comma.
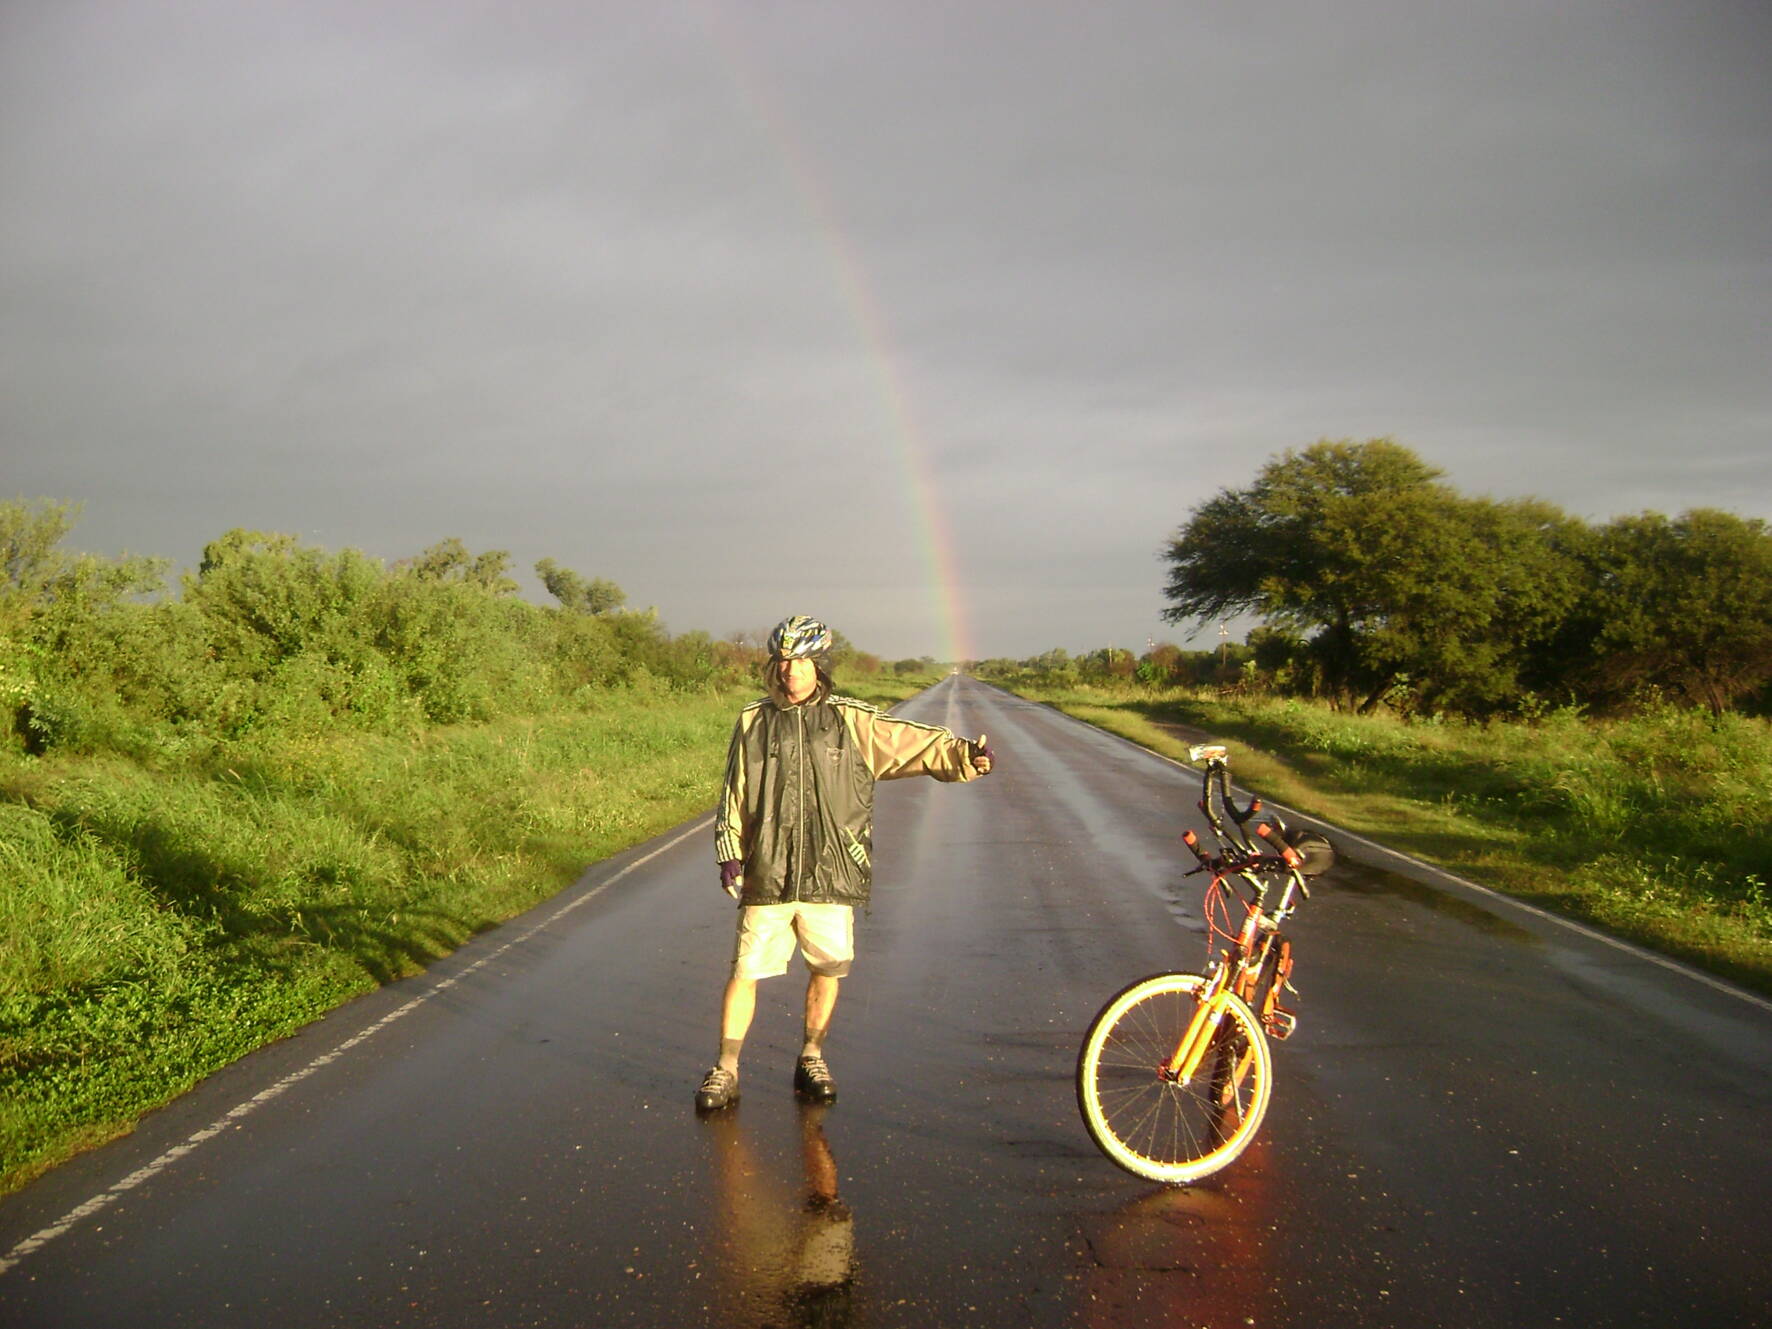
[[895, 748]]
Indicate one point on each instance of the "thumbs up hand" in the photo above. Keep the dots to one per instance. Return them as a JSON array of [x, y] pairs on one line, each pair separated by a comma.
[[981, 755]]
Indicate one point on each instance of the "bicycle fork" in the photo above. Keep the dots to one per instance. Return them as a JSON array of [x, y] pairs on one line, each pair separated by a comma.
[[1197, 1040]]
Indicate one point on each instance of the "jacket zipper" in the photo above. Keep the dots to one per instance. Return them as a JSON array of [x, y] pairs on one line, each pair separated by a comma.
[[800, 856]]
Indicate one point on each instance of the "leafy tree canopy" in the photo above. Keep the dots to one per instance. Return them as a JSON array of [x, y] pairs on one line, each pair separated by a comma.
[[575, 593], [1391, 573], [38, 578], [449, 560], [1683, 604], [30, 533]]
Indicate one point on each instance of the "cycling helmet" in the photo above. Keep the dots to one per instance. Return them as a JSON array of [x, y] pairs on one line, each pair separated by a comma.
[[798, 638]]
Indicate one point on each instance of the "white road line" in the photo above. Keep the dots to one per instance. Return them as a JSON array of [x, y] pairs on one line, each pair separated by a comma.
[[38, 1240]]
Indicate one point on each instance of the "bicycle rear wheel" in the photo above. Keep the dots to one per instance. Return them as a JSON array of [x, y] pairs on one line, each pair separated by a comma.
[[1152, 1126]]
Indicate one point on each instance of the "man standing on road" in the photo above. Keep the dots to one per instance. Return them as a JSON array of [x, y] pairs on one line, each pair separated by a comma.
[[794, 837]]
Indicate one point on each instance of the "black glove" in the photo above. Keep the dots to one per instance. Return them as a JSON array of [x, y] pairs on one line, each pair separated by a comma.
[[731, 877]]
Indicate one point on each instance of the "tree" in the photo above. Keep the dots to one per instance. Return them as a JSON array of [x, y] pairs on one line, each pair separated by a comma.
[[1396, 578], [71, 629], [1160, 664], [1682, 604], [29, 534], [1107, 662], [268, 598], [595, 596], [449, 560]]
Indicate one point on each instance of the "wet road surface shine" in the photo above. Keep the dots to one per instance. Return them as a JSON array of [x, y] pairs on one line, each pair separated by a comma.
[[1484, 1119]]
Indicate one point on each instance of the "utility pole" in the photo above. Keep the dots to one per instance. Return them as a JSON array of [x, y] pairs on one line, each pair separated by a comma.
[[1224, 645]]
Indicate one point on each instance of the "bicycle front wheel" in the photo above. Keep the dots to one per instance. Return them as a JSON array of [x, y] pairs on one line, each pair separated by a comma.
[[1153, 1126]]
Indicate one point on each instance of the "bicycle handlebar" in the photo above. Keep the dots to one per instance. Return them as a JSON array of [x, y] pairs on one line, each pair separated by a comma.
[[1266, 851], [1284, 859], [1271, 833]]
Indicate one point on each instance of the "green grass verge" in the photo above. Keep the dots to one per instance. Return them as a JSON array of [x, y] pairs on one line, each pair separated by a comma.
[[1657, 829], [160, 922]]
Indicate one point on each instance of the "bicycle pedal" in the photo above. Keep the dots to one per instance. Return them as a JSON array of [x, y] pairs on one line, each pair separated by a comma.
[[1280, 1024]]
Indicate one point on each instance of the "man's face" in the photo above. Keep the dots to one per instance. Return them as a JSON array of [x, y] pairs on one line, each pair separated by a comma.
[[799, 679]]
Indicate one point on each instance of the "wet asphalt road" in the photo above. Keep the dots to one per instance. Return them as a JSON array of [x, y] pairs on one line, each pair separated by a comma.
[[1485, 1118]]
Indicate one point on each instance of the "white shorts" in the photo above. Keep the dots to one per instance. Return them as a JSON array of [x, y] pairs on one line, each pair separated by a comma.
[[767, 934]]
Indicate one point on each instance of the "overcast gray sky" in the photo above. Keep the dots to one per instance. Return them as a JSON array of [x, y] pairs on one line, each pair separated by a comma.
[[924, 318]]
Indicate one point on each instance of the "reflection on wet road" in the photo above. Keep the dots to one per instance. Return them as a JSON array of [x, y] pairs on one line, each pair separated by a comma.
[[785, 1246], [1183, 1255], [1484, 1119]]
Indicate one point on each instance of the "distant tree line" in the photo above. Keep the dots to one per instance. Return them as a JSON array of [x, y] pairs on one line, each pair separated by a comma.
[[269, 635], [1377, 584], [922, 664]]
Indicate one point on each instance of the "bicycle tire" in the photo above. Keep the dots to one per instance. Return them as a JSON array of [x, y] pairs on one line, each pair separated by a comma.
[[1154, 1128]]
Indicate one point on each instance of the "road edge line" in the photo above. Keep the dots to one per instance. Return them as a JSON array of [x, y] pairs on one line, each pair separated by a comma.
[[104, 1199], [1500, 897]]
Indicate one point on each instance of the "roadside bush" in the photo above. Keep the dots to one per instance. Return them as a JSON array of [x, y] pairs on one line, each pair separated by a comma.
[[72, 915], [271, 636]]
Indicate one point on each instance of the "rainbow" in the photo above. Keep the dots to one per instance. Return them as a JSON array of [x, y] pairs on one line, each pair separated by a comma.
[[934, 535]]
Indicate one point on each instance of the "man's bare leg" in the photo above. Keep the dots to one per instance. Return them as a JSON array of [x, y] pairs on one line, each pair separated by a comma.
[[812, 1077], [821, 1001], [719, 1088], [736, 1010]]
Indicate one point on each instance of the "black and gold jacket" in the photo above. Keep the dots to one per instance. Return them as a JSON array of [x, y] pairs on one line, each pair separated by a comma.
[[797, 808]]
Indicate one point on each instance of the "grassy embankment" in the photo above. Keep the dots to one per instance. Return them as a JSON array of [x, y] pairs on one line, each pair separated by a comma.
[[1657, 828], [160, 921]]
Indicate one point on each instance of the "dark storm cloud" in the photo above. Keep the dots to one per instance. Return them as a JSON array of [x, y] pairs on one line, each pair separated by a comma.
[[683, 295]]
